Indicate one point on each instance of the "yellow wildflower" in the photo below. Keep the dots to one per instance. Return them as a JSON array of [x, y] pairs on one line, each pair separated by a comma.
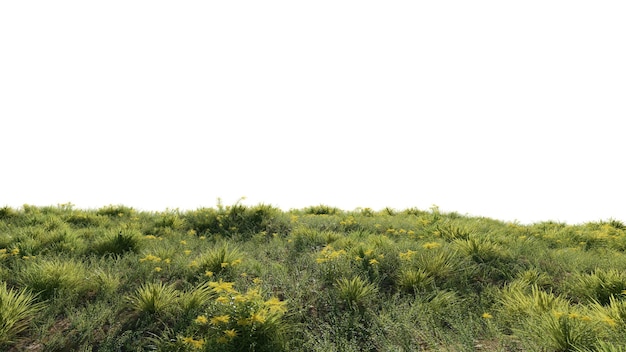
[[183, 242], [407, 255], [235, 262], [208, 273], [150, 258], [230, 333], [222, 286], [257, 280], [258, 317], [275, 305], [610, 321], [431, 245], [187, 252], [487, 316], [222, 300], [220, 319], [253, 293], [157, 269], [201, 319], [224, 265], [373, 262], [193, 343], [557, 314]]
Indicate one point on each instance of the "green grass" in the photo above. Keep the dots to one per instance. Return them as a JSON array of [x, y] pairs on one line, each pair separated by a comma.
[[256, 278]]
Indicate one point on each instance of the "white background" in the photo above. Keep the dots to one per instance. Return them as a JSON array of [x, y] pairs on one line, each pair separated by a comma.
[[510, 110]]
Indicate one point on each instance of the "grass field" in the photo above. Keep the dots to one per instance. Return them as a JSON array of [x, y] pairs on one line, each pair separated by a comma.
[[256, 278]]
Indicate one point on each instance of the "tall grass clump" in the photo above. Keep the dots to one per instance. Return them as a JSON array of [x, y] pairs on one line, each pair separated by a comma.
[[221, 259], [544, 320], [57, 278], [598, 286], [355, 292], [154, 299], [17, 309], [119, 242]]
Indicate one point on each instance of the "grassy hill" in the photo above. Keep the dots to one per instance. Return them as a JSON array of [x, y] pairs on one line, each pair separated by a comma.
[[255, 278]]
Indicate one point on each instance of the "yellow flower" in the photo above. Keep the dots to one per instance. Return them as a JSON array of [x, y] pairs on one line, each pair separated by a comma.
[[373, 261], [167, 260], [275, 305], [208, 273], [201, 319], [157, 269], [431, 245], [222, 300], [183, 242], [187, 252], [230, 333], [193, 343], [258, 317], [150, 258], [194, 264], [487, 316], [222, 286], [253, 293], [407, 255], [150, 237], [610, 321], [557, 314], [224, 265], [257, 280], [235, 262], [220, 319]]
